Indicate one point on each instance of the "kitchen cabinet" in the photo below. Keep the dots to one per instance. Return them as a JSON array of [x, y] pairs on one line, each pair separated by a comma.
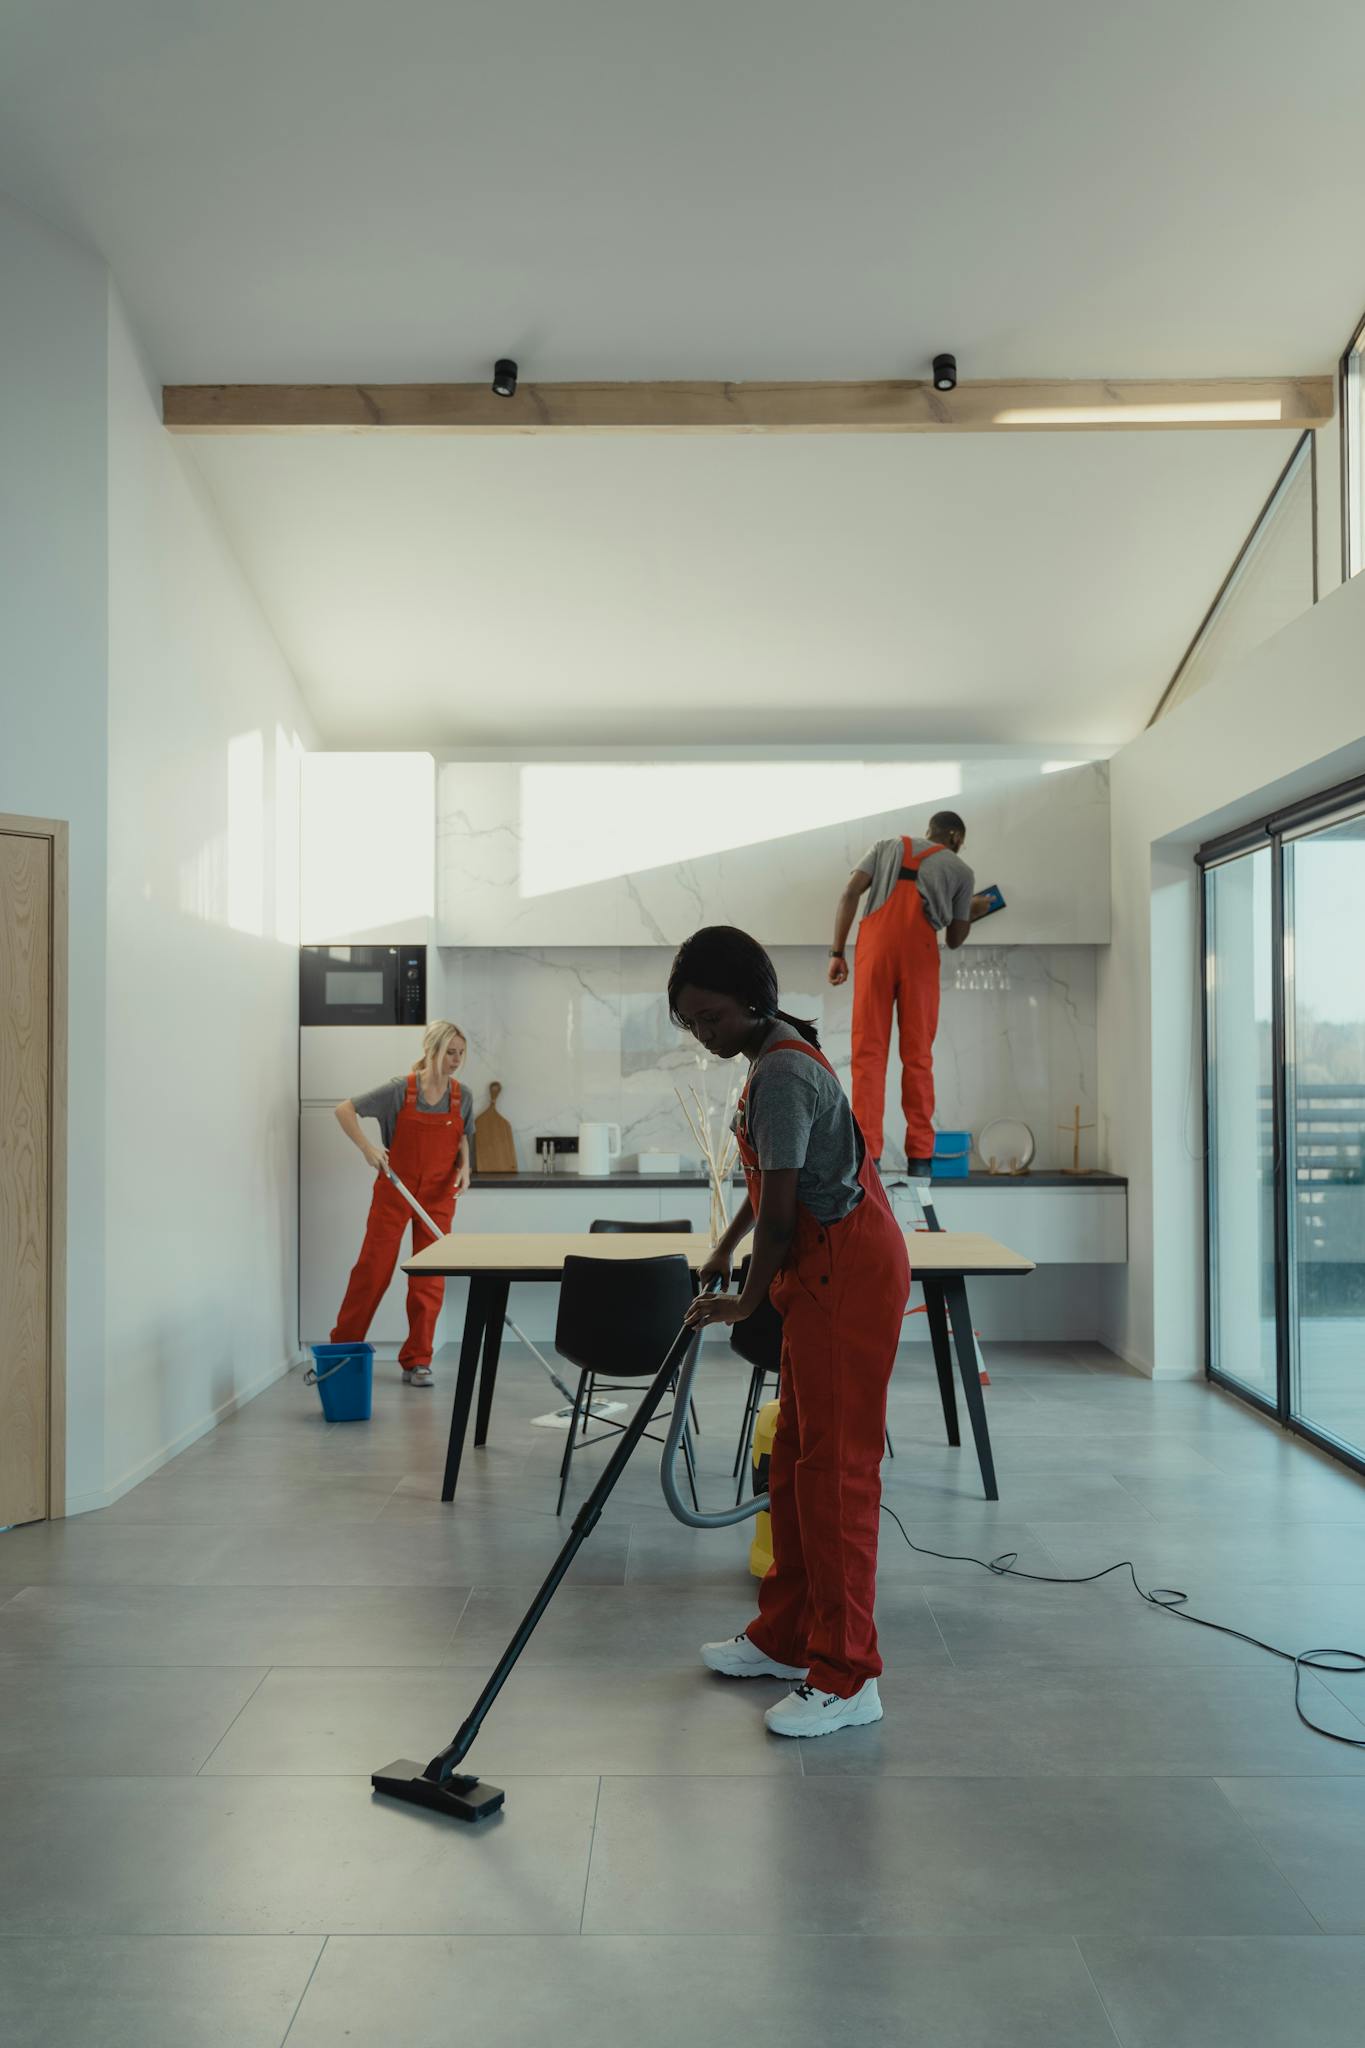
[[524, 861]]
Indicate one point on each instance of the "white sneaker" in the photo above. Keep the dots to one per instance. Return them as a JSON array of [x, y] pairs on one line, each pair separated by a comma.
[[739, 1658], [807, 1712], [419, 1376]]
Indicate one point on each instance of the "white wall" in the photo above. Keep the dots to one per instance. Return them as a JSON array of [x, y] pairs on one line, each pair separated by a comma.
[[53, 538], [1272, 586], [1287, 720], [368, 855], [205, 734]]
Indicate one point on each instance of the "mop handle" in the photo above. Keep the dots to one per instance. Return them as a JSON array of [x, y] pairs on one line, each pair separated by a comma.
[[420, 1213], [416, 1207]]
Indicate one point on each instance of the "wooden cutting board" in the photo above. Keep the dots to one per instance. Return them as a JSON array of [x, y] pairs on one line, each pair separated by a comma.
[[495, 1149]]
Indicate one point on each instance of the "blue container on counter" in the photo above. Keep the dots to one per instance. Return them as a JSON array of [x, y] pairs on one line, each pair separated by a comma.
[[952, 1155]]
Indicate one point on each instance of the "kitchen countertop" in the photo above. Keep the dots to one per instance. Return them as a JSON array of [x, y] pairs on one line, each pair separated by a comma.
[[697, 1180]]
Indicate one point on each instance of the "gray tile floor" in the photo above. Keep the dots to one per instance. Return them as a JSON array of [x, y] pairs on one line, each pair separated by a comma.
[[1082, 1822]]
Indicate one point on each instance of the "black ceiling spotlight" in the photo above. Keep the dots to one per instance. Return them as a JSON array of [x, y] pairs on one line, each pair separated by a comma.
[[945, 373], [505, 377]]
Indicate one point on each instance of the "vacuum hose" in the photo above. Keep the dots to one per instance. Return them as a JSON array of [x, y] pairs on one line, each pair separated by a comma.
[[724, 1518]]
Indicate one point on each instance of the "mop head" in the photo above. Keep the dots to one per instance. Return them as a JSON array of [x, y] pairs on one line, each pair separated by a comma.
[[458, 1798], [558, 1418]]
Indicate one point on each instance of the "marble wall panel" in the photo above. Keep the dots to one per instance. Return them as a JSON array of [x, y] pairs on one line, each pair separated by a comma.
[[578, 1033]]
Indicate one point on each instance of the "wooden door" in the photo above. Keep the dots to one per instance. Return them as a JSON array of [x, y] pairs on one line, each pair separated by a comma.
[[26, 1264]]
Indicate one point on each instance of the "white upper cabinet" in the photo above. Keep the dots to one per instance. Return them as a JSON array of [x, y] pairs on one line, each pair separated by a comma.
[[616, 853]]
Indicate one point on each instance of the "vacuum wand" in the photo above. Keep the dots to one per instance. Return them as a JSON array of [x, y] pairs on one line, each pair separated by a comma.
[[440, 1787]]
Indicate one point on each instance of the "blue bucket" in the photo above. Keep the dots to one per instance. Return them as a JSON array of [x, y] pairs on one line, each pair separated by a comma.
[[344, 1377], [952, 1155]]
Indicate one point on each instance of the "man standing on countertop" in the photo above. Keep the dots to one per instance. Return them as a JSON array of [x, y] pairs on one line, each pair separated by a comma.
[[916, 888]]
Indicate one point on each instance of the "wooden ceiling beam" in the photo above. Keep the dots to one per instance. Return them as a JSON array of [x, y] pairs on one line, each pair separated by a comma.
[[1292, 403]]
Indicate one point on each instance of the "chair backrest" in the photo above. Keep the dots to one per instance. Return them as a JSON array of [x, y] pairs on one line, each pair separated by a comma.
[[758, 1339], [618, 1317], [678, 1226]]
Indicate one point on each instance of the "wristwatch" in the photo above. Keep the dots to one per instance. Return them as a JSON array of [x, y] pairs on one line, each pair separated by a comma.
[[836, 952]]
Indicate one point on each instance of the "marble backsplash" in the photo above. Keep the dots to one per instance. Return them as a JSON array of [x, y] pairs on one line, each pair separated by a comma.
[[583, 1033]]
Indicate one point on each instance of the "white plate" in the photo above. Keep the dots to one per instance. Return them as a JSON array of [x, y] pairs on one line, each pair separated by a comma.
[[1009, 1142]]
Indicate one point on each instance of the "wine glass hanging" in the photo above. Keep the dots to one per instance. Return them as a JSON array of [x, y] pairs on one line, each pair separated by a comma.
[[981, 967]]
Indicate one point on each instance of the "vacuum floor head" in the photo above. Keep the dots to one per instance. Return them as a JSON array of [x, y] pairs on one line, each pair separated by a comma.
[[458, 1798]]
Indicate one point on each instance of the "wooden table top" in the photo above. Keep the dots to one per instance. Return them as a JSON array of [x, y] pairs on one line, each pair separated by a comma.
[[540, 1255]]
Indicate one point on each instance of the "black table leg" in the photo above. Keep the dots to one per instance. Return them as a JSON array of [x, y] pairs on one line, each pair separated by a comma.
[[492, 1348], [471, 1347], [964, 1343], [943, 1356]]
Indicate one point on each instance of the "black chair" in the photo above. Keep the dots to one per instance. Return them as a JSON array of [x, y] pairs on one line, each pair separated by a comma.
[[678, 1226], [617, 1319]]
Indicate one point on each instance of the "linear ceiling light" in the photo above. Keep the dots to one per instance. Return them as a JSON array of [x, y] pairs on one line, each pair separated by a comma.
[[1189, 413]]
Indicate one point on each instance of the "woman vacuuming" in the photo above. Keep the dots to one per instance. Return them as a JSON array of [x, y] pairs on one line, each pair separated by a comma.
[[834, 1258], [424, 1120]]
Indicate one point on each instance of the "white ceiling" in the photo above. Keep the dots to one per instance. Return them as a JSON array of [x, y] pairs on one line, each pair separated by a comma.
[[434, 591], [315, 189], [333, 189]]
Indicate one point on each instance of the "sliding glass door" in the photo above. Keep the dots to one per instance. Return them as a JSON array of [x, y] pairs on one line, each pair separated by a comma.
[[1284, 1066], [1324, 888], [1239, 985]]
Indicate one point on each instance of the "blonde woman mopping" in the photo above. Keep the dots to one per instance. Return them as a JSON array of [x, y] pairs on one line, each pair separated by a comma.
[[424, 1122]]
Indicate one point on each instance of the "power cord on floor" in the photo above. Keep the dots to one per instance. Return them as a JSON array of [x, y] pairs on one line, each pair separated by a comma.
[[1170, 1601]]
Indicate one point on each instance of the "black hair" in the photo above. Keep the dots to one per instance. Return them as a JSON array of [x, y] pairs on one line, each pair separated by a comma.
[[946, 821], [722, 957]]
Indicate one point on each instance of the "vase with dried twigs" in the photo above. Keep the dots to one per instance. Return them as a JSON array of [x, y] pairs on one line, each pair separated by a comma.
[[715, 1141]]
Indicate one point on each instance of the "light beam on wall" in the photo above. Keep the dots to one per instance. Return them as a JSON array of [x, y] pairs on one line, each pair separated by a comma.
[[590, 821], [288, 766], [246, 834]]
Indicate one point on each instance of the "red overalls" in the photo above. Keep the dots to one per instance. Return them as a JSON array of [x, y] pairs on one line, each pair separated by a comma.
[[896, 963], [424, 1154], [841, 1295]]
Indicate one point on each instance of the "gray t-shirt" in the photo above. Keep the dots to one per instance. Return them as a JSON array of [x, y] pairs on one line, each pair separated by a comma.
[[798, 1115], [385, 1101], [945, 881]]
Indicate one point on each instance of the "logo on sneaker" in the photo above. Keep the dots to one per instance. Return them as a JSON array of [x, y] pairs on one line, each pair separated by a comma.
[[810, 1692]]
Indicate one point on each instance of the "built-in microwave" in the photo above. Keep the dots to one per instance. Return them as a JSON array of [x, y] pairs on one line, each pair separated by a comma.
[[362, 985]]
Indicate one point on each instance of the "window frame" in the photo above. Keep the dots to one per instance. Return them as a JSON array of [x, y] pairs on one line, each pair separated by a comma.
[[1351, 430]]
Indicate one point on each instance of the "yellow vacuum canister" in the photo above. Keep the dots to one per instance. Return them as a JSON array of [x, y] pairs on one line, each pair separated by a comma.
[[761, 1549]]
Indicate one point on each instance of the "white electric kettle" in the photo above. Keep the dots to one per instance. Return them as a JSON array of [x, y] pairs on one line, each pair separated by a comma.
[[598, 1145]]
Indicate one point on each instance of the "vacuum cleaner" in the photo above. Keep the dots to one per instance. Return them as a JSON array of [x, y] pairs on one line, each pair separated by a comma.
[[440, 1786]]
